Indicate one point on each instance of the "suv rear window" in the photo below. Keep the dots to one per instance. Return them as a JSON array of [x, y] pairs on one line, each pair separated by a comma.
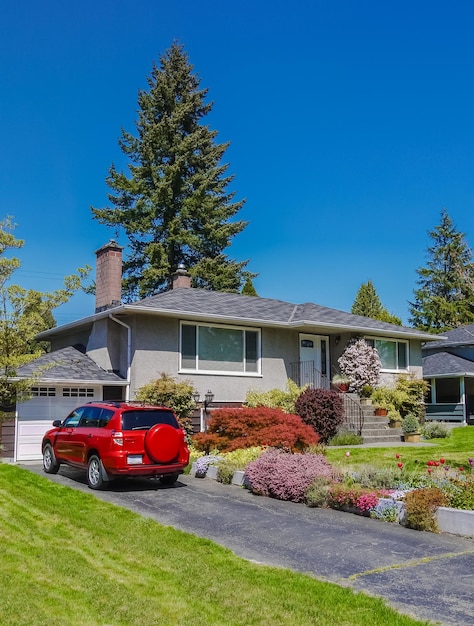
[[143, 419]]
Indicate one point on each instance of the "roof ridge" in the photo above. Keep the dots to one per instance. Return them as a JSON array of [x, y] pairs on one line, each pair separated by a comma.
[[293, 313]]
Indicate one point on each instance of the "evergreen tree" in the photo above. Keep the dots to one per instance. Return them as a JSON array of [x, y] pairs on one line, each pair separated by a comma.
[[368, 304], [174, 205], [248, 289], [445, 295]]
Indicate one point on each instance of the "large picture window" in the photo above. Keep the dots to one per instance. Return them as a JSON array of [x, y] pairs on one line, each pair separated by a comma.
[[393, 353], [219, 349]]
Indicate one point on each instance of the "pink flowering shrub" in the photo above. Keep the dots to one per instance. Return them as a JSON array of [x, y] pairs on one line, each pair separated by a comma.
[[284, 475], [361, 364], [341, 496]]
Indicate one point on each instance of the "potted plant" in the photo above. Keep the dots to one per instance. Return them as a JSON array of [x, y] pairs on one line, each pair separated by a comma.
[[381, 409], [341, 382], [366, 394], [411, 428], [394, 418]]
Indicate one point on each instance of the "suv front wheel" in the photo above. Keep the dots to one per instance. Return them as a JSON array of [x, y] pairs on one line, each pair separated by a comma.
[[95, 478], [50, 465]]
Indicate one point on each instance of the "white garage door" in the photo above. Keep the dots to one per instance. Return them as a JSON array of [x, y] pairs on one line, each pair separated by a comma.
[[35, 417]]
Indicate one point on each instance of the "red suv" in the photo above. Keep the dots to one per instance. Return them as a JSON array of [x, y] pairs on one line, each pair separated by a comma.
[[113, 439]]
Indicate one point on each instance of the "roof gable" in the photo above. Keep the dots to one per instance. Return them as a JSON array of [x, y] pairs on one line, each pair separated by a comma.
[[68, 364]]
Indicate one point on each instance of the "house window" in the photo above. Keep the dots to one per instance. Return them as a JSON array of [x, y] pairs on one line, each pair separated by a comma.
[[40, 392], [393, 353], [448, 390], [220, 349], [77, 392]]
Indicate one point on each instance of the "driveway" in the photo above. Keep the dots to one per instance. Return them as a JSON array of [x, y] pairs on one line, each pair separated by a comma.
[[426, 575]]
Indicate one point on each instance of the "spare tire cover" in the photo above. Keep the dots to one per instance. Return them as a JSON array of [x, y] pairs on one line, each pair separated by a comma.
[[162, 442]]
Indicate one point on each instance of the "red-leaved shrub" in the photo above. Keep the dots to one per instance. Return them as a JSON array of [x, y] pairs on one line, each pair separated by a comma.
[[231, 429], [284, 475], [322, 409]]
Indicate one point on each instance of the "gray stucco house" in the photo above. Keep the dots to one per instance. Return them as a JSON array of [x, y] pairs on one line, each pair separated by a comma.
[[449, 367], [221, 342]]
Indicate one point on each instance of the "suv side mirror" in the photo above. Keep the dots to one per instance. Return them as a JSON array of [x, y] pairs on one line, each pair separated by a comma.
[[57, 423]]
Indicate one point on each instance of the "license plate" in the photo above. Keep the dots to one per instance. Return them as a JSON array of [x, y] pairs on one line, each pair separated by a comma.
[[135, 459]]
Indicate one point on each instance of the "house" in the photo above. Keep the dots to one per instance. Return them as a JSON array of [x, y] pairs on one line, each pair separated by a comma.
[[449, 367], [222, 343]]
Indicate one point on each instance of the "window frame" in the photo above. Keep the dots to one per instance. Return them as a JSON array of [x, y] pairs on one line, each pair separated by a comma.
[[244, 329], [397, 342]]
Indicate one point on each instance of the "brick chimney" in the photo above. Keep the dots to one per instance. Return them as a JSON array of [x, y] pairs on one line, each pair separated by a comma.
[[181, 278], [108, 281]]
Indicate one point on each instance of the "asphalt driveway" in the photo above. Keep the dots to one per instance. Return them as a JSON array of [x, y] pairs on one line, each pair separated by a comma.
[[426, 575]]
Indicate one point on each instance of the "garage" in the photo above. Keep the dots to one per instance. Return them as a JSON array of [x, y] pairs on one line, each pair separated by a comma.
[[35, 417]]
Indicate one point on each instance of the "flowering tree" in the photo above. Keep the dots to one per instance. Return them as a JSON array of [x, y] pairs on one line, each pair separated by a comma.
[[361, 364]]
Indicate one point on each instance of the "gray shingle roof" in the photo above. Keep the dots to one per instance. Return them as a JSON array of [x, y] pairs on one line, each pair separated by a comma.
[[217, 304], [69, 364], [458, 336], [445, 363]]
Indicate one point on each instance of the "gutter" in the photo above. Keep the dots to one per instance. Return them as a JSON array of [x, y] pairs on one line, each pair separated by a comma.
[[129, 352]]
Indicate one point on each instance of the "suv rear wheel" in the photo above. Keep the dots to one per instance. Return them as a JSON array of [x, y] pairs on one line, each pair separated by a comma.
[[95, 478], [169, 479]]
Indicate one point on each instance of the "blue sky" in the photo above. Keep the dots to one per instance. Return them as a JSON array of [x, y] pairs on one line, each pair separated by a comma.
[[351, 125]]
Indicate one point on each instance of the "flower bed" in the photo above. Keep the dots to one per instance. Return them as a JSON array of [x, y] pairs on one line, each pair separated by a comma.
[[439, 497]]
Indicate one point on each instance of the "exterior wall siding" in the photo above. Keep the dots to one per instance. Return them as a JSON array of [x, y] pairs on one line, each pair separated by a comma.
[[156, 349]]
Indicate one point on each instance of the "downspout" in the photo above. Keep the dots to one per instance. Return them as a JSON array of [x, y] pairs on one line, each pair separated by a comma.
[[129, 352]]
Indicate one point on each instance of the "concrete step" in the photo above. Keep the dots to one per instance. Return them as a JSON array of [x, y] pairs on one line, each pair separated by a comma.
[[376, 420], [381, 438]]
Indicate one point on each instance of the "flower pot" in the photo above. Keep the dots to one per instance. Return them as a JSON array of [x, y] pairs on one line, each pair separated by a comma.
[[366, 401], [411, 437], [380, 411], [395, 424]]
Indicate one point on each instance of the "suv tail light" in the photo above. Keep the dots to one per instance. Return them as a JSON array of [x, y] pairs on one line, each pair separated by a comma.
[[117, 438]]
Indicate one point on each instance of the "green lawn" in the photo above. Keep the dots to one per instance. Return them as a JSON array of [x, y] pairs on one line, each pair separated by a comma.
[[68, 558], [456, 450]]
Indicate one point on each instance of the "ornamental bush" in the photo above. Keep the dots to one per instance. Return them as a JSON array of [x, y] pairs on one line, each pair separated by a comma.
[[361, 364], [232, 429], [421, 506], [286, 476], [321, 409], [275, 398], [174, 394]]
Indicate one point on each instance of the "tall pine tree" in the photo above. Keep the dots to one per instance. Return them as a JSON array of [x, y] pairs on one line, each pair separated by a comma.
[[445, 295], [368, 304], [174, 205]]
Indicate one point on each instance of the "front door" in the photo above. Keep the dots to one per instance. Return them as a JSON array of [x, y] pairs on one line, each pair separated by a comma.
[[314, 361]]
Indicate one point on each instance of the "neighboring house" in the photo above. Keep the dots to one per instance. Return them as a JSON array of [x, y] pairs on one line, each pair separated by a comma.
[[449, 367], [221, 342]]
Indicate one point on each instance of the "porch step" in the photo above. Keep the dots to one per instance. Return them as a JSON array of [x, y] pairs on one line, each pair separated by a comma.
[[383, 438], [375, 428]]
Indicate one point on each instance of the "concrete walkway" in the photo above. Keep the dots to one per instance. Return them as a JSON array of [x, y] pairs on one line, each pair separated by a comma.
[[426, 575]]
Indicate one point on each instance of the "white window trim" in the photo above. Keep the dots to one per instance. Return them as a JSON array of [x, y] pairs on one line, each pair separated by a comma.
[[184, 370], [397, 341]]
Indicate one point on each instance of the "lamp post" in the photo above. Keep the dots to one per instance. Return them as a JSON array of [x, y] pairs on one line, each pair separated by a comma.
[[208, 399]]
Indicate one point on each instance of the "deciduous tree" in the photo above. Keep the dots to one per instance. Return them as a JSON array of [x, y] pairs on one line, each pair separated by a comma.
[[23, 314]]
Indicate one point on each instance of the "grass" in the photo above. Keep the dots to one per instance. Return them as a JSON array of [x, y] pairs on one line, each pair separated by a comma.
[[456, 450], [68, 559]]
